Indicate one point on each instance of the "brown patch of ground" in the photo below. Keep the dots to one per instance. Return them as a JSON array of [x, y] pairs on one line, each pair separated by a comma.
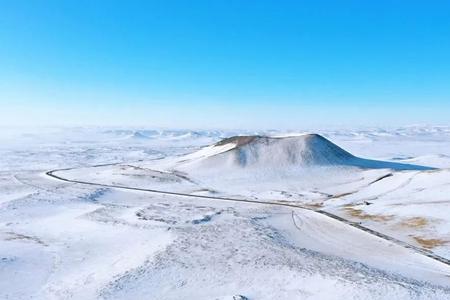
[[429, 243], [360, 214], [238, 140], [415, 222], [315, 205]]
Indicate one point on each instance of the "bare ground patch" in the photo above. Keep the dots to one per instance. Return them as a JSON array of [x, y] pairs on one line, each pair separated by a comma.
[[415, 222], [360, 214], [429, 243], [313, 205]]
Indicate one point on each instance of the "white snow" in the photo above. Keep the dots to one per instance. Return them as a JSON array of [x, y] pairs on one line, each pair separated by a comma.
[[60, 240]]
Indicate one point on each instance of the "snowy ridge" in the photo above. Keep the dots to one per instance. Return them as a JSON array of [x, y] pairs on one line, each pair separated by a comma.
[[137, 136]]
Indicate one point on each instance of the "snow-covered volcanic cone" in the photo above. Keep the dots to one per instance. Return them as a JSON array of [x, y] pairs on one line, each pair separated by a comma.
[[278, 153], [250, 165]]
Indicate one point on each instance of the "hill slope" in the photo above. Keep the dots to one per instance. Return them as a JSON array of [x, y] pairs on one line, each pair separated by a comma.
[[304, 151]]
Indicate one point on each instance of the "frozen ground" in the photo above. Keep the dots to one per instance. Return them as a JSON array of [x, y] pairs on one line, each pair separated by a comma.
[[61, 240]]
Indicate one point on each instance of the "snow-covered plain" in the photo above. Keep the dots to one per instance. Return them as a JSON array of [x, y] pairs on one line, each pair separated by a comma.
[[62, 240]]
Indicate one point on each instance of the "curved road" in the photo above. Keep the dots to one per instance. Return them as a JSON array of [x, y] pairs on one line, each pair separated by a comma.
[[272, 203]]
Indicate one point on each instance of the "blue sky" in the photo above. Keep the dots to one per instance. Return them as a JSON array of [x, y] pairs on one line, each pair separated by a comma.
[[224, 64]]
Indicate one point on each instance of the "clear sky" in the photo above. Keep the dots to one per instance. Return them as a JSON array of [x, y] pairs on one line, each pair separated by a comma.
[[224, 64]]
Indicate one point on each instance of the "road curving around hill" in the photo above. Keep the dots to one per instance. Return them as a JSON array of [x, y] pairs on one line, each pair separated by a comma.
[[358, 226]]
